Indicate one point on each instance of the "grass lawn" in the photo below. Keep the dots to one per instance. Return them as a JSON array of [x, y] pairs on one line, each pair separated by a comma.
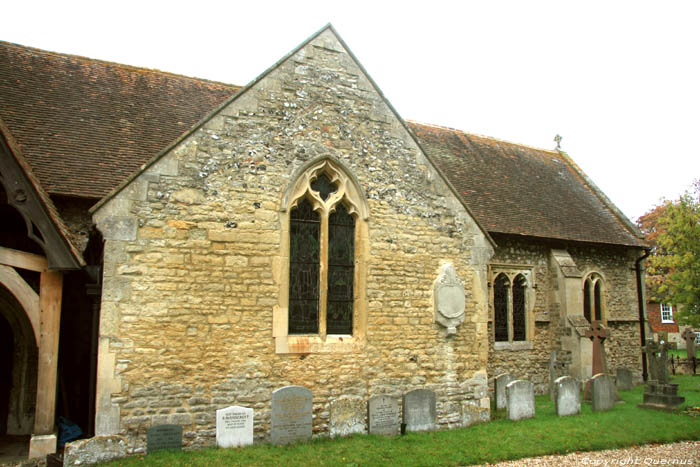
[[501, 439], [682, 353]]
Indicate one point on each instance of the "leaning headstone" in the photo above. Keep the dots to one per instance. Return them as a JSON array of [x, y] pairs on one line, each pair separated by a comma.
[[500, 383], [419, 412], [383, 415], [347, 416], [291, 415], [234, 427], [623, 379], [163, 437], [520, 400], [603, 392], [657, 361], [567, 396]]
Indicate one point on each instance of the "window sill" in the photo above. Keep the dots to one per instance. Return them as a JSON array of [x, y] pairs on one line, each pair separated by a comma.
[[520, 345], [314, 344]]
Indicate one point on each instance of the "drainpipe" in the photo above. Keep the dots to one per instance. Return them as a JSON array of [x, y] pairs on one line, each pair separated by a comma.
[[642, 308]]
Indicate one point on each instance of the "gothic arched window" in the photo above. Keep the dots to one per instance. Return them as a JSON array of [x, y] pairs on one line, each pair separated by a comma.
[[510, 304], [593, 297], [501, 289], [323, 301]]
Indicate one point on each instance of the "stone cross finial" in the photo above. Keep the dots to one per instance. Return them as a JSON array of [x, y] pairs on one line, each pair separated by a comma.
[[558, 139], [689, 336], [597, 334]]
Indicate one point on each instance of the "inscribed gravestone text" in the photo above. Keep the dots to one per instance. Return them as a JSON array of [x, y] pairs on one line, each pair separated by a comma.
[[291, 416], [234, 427], [419, 410], [163, 437], [383, 414]]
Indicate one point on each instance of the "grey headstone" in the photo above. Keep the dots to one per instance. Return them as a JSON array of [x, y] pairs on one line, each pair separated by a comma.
[[291, 415], [520, 399], [234, 427], [347, 416], [163, 437], [603, 392], [383, 415], [419, 410], [473, 412], [623, 379], [500, 383], [567, 396]]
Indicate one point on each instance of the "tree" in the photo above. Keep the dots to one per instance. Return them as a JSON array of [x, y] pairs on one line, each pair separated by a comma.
[[673, 272]]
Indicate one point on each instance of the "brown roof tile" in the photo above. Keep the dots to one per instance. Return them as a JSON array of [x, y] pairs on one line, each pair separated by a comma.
[[520, 190], [85, 125]]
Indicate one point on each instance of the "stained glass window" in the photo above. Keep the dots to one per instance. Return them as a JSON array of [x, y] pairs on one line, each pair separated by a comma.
[[598, 301], [519, 287], [341, 271], [323, 186], [500, 308], [304, 255], [587, 300]]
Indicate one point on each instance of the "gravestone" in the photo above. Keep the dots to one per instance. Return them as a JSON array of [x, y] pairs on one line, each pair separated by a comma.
[[474, 412], [291, 415], [347, 416], [603, 392], [234, 427], [567, 396], [657, 361], [419, 410], [520, 400], [689, 337], [597, 334], [500, 383], [383, 415], [623, 379], [161, 437]]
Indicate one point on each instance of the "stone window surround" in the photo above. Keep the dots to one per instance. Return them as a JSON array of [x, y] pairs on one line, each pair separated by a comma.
[[512, 271], [594, 277], [666, 312], [350, 192]]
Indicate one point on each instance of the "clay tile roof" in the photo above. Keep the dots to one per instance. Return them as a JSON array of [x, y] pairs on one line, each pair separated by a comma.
[[85, 125], [520, 190]]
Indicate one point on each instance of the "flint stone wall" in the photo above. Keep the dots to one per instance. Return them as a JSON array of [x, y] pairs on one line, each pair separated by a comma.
[[617, 267], [192, 263]]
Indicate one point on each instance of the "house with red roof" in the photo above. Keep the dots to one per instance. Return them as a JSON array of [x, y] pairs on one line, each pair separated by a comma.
[[172, 246]]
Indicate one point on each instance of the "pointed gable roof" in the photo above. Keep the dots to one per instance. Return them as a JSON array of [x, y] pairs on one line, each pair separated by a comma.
[[85, 125], [36, 206], [519, 190]]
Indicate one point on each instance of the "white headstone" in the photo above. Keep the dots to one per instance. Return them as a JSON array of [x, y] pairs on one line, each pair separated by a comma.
[[520, 399], [500, 383], [234, 427], [567, 396]]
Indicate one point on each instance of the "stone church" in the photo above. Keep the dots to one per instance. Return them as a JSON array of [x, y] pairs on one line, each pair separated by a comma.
[[172, 245]]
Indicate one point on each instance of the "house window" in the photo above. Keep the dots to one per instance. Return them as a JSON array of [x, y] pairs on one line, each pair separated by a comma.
[[593, 297], [510, 303], [322, 299], [666, 313]]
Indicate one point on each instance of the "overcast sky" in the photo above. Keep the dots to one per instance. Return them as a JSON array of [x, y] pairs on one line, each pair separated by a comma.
[[619, 80]]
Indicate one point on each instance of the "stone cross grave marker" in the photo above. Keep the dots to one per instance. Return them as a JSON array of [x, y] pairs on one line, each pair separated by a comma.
[[347, 416], [291, 415], [689, 336], [603, 393], [567, 396], [520, 399], [656, 360], [163, 437], [623, 379], [383, 415], [234, 426], [500, 383], [597, 334], [419, 412]]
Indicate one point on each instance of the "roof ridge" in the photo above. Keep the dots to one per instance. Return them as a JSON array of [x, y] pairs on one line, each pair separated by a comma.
[[478, 135], [107, 62]]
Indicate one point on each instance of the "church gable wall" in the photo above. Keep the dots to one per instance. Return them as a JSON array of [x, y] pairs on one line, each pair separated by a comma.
[[194, 260]]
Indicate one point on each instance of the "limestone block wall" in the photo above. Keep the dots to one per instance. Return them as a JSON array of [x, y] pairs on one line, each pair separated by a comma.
[[615, 264], [193, 259]]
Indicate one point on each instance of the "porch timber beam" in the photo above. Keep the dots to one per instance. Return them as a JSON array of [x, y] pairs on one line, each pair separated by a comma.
[[23, 260], [25, 295]]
